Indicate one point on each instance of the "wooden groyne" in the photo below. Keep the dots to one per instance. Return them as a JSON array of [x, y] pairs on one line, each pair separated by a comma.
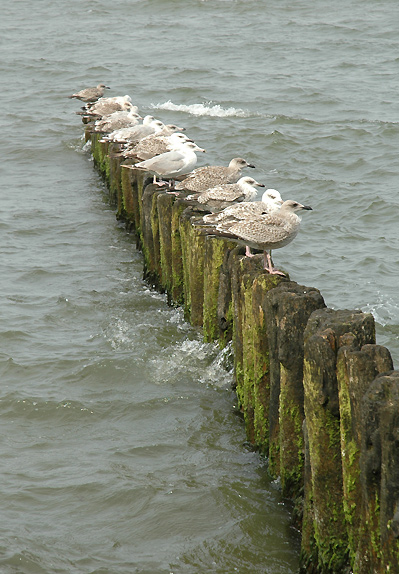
[[320, 399]]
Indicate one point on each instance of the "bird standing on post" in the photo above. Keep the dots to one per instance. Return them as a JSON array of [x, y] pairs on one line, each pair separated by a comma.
[[268, 231], [91, 94]]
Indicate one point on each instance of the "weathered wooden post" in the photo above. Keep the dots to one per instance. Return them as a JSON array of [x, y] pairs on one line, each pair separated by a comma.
[[378, 549], [129, 199], [287, 309], [243, 272], [193, 247], [150, 235], [225, 303], [165, 203], [309, 556], [177, 256], [262, 286], [99, 151], [114, 185], [214, 254], [326, 332], [356, 370]]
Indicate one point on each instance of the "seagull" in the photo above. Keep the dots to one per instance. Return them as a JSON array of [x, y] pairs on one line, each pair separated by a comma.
[[155, 144], [227, 194], [267, 232], [90, 94], [106, 106], [133, 134], [117, 121], [271, 201], [171, 164], [205, 177]]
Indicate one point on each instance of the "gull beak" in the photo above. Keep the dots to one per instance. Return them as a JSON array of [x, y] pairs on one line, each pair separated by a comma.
[[307, 207], [250, 165]]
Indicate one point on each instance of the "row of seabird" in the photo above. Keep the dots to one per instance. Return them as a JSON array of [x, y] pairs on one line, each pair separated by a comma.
[[167, 153]]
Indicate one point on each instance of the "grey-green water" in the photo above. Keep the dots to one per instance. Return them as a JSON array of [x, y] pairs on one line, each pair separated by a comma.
[[120, 448]]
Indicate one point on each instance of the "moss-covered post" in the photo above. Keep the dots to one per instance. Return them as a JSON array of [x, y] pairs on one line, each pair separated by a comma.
[[99, 151], [115, 187], [129, 199], [215, 250], [389, 508], [378, 549], [262, 285], [225, 303], [243, 272], [308, 561], [133, 196], [270, 307], [292, 305], [177, 257], [324, 335], [150, 235], [165, 203], [88, 131], [356, 370], [193, 247]]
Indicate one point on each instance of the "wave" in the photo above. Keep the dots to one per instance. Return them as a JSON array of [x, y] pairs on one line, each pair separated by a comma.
[[385, 310], [202, 109]]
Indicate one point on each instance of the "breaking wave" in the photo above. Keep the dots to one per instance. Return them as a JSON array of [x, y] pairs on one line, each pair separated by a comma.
[[202, 109]]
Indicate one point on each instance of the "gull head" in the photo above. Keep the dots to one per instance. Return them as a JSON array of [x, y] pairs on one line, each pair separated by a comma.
[[193, 146], [249, 181], [238, 163], [291, 206], [272, 195]]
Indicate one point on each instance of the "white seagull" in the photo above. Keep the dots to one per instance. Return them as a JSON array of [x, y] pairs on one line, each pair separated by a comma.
[[171, 164]]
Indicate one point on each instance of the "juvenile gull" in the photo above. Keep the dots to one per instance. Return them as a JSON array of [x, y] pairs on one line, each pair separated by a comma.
[[267, 232], [205, 177], [171, 164], [117, 121], [155, 144], [106, 106], [271, 201], [222, 196], [149, 126], [165, 130], [90, 94]]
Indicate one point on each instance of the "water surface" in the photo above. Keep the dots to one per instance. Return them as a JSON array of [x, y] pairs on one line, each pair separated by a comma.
[[120, 444]]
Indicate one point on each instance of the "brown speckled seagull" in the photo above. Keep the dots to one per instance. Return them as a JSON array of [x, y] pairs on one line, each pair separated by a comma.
[[267, 232], [222, 196], [208, 176], [90, 94]]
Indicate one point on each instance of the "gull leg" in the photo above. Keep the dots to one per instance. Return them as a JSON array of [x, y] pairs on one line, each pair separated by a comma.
[[268, 265], [158, 183], [172, 187], [248, 252]]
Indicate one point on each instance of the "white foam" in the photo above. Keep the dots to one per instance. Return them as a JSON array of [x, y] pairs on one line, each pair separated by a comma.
[[202, 109], [384, 310]]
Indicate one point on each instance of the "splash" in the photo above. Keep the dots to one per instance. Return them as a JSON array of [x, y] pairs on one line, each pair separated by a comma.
[[202, 109], [385, 310]]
